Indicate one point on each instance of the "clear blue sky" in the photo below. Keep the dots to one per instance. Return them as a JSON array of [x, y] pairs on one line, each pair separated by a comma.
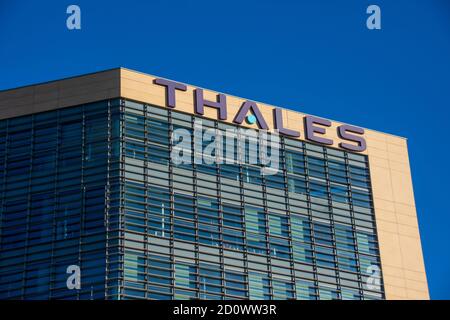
[[313, 56]]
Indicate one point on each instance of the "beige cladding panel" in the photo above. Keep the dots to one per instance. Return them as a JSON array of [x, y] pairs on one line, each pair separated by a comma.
[[60, 94], [140, 87], [395, 211]]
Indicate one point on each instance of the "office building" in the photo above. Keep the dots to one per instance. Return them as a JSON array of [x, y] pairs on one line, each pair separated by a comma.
[[88, 181]]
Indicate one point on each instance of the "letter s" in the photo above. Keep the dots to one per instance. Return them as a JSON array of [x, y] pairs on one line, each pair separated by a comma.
[[343, 132]]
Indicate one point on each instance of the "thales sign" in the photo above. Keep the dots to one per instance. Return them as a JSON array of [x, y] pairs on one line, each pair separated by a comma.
[[314, 127]]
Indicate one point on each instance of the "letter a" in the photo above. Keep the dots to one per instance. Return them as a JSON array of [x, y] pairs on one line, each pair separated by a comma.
[[374, 20], [74, 20], [73, 281]]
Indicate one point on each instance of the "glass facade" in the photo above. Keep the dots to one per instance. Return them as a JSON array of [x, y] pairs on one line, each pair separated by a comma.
[[56, 169], [94, 186]]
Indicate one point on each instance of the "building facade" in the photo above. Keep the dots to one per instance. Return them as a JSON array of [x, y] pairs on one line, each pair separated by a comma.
[[88, 180]]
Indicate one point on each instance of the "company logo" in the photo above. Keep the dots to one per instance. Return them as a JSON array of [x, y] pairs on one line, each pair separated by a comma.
[[315, 128]]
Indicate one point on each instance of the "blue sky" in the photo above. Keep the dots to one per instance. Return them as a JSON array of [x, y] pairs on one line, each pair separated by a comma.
[[317, 57]]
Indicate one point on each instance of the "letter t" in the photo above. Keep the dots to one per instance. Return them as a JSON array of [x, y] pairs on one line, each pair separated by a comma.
[[171, 86]]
